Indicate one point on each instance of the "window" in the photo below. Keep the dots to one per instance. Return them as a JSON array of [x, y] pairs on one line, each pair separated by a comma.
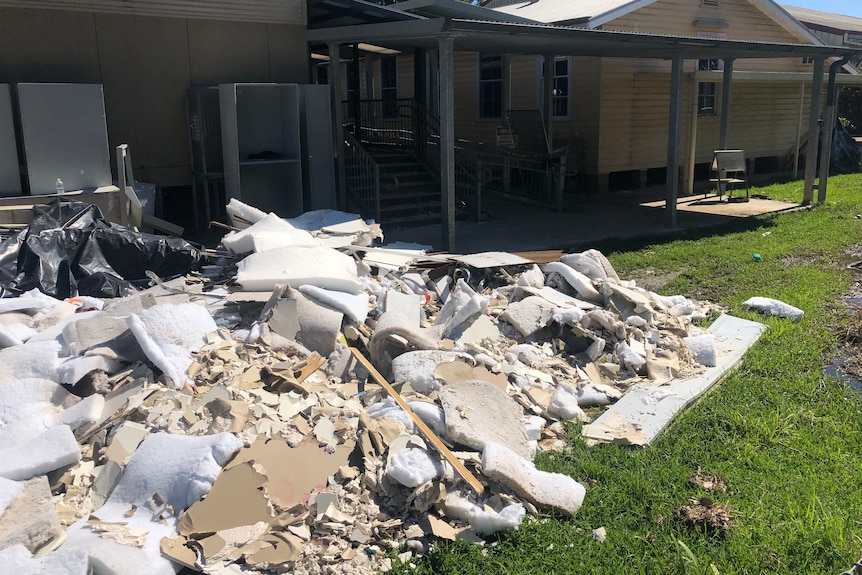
[[706, 98], [807, 60], [322, 73], [710, 64], [490, 86], [561, 86], [389, 86]]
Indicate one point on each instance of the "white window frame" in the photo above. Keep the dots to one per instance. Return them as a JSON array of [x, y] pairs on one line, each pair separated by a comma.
[[540, 81]]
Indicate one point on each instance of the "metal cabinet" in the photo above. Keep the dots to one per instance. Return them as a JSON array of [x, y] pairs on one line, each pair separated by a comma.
[[261, 146]]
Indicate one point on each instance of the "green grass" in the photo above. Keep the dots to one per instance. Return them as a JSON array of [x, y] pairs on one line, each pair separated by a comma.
[[786, 439]]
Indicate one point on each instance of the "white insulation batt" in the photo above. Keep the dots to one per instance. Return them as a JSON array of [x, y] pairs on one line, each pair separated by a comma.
[[179, 468], [271, 231], [296, 266], [774, 307], [169, 334]]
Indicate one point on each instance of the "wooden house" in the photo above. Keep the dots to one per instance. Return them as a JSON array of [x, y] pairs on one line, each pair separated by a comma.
[[611, 113]]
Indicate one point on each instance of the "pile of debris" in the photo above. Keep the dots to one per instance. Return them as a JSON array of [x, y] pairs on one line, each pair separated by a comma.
[[307, 402]]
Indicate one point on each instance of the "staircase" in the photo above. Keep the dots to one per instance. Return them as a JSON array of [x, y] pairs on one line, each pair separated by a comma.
[[409, 190]]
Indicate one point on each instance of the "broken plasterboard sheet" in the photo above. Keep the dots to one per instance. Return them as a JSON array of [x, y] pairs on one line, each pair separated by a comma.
[[481, 329], [30, 519], [474, 411], [291, 473], [354, 306], [651, 413], [557, 297], [392, 258], [459, 370], [491, 260], [270, 226]]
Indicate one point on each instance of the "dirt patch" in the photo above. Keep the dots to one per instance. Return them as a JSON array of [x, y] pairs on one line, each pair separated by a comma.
[[708, 481], [652, 281], [846, 364], [704, 513]]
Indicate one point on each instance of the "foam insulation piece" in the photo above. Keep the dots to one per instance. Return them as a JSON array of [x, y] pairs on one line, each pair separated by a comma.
[[354, 306], [274, 232], [414, 466], [484, 521], [315, 326], [50, 450], [417, 367], [642, 410], [630, 357], [31, 520], [703, 348], [31, 360], [532, 277], [474, 410], [181, 469], [29, 407], [547, 490], [579, 282], [593, 264], [333, 221], [774, 307], [534, 425], [169, 334], [17, 559], [391, 410], [8, 337], [296, 266], [33, 301], [593, 395], [241, 214], [529, 315], [564, 404], [73, 369], [462, 305], [431, 414]]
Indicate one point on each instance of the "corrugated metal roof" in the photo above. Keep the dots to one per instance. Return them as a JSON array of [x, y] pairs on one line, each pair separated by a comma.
[[826, 19], [267, 11], [550, 11]]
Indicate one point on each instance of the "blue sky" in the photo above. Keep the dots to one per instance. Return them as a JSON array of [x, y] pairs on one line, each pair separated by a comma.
[[846, 7]]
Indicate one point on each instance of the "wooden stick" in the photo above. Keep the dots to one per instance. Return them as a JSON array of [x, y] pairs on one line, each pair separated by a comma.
[[426, 431]]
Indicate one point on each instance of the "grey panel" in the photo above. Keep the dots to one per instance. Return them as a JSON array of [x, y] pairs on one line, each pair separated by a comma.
[[10, 180], [318, 164], [65, 136]]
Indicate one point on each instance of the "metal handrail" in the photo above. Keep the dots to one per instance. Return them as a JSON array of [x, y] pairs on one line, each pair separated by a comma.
[[362, 175]]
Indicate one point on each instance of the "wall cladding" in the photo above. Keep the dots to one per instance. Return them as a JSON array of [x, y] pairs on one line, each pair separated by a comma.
[[264, 11]]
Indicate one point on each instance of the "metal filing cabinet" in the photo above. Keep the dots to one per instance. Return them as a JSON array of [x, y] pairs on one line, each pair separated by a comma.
[[10, 178]]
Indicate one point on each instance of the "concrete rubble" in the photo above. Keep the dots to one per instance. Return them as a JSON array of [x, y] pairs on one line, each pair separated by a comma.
[[231, 419]]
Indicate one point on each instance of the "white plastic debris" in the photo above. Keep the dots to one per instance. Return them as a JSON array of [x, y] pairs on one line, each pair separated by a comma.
[[630, 357], [774, 307], [169, 334], [414, 466], [296, 266]]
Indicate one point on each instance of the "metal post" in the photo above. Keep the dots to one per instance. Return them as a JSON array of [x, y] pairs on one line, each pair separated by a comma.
[[355, 89], [447, 142], [548, 98], [829, 127], [370, 64], [434, 82], [726, 92], [338, 121], [813, 131], [799, 132], [692, 138], [675, 119]]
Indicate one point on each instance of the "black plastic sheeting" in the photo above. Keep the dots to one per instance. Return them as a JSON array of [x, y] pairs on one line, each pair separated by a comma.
[[71, 249]]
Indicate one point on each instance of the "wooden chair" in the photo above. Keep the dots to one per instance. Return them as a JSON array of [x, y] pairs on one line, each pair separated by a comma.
[[728, 169]]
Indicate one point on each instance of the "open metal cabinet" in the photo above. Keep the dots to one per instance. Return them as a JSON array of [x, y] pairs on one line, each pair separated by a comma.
[[262, 147], [10, 178]]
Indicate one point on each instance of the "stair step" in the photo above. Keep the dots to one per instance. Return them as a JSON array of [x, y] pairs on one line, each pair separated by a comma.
[[434, 206]]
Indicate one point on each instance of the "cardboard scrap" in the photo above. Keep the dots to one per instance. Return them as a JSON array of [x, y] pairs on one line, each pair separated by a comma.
[[458, 370]]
